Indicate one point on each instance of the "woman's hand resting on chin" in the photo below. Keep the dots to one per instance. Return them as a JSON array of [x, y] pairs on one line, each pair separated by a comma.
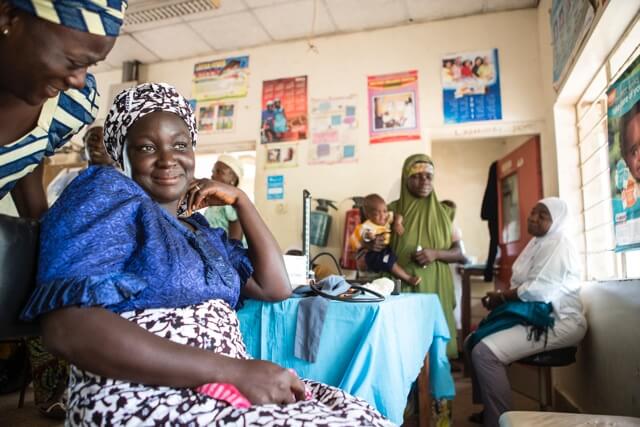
[[204, 192]]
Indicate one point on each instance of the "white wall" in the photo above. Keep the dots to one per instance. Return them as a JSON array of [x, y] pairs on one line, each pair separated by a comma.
[[341, 68], [462, 168]]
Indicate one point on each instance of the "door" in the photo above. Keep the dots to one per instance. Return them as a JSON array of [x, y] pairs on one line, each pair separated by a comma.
[[519, 189]]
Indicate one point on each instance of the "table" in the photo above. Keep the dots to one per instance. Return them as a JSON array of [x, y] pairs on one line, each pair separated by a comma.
[[366, 349]]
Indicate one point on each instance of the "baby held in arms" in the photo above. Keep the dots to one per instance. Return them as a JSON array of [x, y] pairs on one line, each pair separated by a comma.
[[378, 225]]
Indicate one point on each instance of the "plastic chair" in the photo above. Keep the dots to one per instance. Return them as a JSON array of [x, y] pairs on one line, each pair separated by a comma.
[[18, 261]]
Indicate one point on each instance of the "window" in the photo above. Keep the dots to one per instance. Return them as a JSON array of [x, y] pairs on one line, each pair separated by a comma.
[[600, 260]]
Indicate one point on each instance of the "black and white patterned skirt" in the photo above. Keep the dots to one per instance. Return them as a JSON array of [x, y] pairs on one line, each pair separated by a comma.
[[213, 325]]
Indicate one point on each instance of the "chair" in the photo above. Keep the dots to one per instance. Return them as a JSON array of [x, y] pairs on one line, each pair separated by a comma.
[[544, 361], [18, 260]]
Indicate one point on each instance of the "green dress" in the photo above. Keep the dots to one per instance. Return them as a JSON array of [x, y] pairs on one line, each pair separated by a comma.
[[427, 224]]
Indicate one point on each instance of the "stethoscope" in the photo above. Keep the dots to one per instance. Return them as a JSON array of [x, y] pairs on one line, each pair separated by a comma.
[[350, 295]]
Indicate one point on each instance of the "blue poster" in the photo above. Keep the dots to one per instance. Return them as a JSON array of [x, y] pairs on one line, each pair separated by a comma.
[[570, 21], [471, 87], [275, 187], [623, 126]]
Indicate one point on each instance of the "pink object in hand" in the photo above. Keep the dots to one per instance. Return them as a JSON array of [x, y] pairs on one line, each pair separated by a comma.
[[226, 392]]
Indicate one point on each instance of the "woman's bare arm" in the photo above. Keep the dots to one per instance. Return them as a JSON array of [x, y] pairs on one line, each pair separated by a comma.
[[270, 279], [106, 344], [28, 195]]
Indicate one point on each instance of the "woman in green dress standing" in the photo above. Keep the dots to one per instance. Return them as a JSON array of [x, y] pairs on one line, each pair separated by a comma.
[[426, 247]]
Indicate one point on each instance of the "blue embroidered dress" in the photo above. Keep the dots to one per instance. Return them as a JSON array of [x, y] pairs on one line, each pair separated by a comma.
[[106, 243], [61, 117]]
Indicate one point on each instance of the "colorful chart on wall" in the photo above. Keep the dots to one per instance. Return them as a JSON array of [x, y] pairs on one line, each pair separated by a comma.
[[333, 130], [284, 110], [281, 156], [471, 87], [221, 78], [570, 21], [393, 107], [215, 116], [623, 124]]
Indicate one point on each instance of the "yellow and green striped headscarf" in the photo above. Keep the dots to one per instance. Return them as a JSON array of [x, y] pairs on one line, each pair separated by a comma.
[[101, 17]]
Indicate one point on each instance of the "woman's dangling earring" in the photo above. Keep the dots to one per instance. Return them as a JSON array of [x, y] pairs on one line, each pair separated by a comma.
[[5, 31]]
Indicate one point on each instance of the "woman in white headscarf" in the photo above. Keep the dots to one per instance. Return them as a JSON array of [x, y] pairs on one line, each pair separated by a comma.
[[544, 299]]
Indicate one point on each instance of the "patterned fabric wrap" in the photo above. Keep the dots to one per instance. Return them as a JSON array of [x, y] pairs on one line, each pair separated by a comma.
[[134, 103], [106, 243], [49, 374], [212, 325], [101, 17]]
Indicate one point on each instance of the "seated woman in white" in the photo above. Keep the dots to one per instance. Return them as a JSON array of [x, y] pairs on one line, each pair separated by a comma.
[[542, 310]]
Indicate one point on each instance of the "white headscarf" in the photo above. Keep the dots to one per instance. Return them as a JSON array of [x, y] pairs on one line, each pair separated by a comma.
[[548, 269], [559, 213]]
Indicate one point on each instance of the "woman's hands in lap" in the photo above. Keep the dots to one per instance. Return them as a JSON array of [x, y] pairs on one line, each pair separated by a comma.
[[264, 382]]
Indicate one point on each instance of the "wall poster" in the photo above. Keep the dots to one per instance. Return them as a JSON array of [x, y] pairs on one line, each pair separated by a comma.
[[570, 21], [281, 156], [393, 107], [275, 187], [221, 78], [215, 116], [471, 87], [333, 130], [623, 124], [284, 110]]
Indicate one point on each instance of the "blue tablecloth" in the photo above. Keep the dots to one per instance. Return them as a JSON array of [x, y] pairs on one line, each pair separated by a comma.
[[372, 350]]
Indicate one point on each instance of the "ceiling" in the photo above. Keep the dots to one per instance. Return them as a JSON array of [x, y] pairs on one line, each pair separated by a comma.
[[176, 29]]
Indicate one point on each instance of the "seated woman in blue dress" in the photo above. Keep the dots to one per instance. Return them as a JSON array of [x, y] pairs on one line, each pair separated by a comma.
[[139, 295]]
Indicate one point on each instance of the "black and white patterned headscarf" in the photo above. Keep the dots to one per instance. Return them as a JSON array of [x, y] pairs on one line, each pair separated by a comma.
[[135, 103]]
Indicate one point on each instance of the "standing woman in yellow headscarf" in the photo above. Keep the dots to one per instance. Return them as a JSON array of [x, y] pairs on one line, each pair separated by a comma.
[[46, 96], [426, 247]]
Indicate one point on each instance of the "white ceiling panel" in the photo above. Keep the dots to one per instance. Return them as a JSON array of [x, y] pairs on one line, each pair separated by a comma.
[[239, 24], [231, 31], [496, 5], [226, 7], [262, 3], [426, 10], [132, 28], [276, 20], [173, 42], [355, 15], [128, 49]]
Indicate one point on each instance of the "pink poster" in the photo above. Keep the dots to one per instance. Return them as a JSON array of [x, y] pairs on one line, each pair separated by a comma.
[[393, 107]]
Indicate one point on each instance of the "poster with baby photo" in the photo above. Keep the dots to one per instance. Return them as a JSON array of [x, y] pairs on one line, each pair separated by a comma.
[[471, 87], [393, 107], [623, 124]]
